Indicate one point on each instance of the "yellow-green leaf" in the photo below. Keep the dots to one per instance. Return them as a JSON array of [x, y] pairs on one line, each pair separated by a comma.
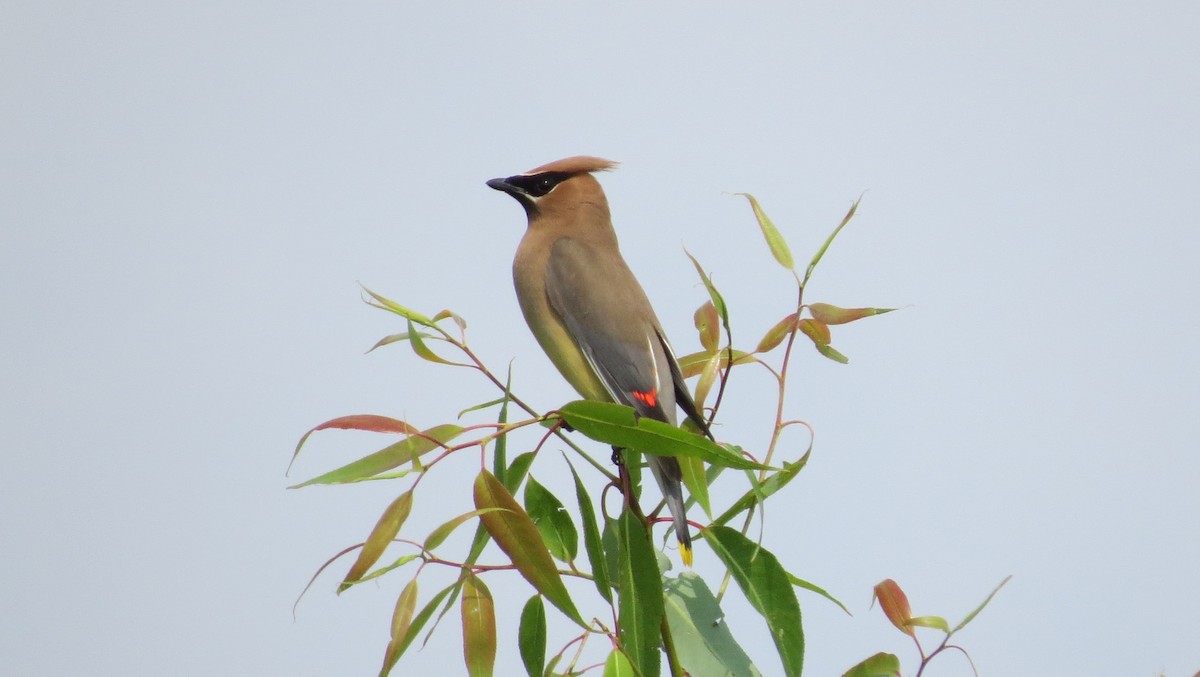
[[640, 607], [823, 312], [440, 534], [401, 622], [617, 665], [381, 537], [879, 665], [479, 627], [694, 363], [779, 247], [389, 457], [708, 323], [518, 537], [776, 334]]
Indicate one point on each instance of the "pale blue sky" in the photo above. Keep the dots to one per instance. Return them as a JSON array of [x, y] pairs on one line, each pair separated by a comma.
[[190, 195]]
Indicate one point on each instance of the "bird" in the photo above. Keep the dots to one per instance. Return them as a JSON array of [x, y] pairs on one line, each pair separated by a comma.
[[588, 312]]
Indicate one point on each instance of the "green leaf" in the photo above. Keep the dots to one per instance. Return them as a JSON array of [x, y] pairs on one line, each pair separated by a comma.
[[708, 323], [591, 539], [517, 470], [518, 537], [479, 627], [708, 376], [761, 490], [619, 425], [819, 333], [640, 606], [767, 588], [702, 638], [531, 636], [401, 641], [617, 665], [424, 351], [696, 482], [776, 334], [481, 406], [692, 364], [823, 312], [389, 457], [879, 665], [828, 241], [381, 537], [775, 241], [713, 294], [440, 534], [975, 612], [935, 622], [407, 313], [801, 583], [552, 520]]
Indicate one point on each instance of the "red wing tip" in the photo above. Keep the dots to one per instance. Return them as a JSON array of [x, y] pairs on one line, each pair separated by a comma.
[[648, 398]]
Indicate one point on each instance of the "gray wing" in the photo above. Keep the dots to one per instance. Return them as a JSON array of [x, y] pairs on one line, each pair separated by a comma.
[[608, 315]]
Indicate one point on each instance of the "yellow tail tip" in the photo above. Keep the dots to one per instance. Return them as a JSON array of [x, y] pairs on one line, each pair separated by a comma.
[[685, 551]]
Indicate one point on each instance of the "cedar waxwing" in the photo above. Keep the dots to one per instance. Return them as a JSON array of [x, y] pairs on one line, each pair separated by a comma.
[[589, 313]]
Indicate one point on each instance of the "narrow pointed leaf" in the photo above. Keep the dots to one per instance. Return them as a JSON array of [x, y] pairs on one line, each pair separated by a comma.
[[879, 665], [830, 352], [707, 378], [823, 312], [406, 313], [767, 588], [713, 294], [976, 610], [759, 492], [894, 603], [776, 334], [640, 605], [389, 457], [592, 543], [692, 364], [811, 587], [702, 638], [481, 406], [531, 636], [381, 537], [517, 470], [708, 323], [617, 665], [440, 534], [479, 627], [935, 622], [368, 422], [619, 426], [462, 324], [696, 481], [517, 536], [552, 520], [828, 241], [423, 350], [401, 642], [775, 241], [402, 616]]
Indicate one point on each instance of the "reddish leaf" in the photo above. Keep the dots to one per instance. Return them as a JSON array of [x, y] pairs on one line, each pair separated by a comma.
[[776, 334], [894, 603], [368, 422]]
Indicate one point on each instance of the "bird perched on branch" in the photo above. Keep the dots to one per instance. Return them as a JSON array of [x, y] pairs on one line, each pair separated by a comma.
[[588, 311]]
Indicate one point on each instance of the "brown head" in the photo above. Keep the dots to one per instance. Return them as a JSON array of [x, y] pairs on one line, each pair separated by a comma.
[[561, 194]]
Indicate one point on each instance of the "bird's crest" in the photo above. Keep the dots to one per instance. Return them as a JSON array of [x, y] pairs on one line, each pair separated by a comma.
[[576, 164]]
